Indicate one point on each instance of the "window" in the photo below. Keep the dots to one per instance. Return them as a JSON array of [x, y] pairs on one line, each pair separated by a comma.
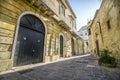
[[108, 24], [89, 31], [85, 33], [72, 23], [59, 6], [81, 34], [87, 43], [63, 10]]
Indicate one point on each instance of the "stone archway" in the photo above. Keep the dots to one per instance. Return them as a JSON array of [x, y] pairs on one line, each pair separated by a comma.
[[29, 47]]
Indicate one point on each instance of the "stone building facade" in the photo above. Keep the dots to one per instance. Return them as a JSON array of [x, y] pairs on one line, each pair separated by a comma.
[[83, 33], [104, 30], [34, 31]]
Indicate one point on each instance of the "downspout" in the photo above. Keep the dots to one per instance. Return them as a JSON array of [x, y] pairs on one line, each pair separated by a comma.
[[101, 32]]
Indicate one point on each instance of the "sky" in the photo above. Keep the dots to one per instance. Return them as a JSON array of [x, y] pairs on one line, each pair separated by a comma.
[[84, 10]]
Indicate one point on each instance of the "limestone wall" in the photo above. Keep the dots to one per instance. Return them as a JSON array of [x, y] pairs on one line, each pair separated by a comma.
[[109, 18], [10, 10]]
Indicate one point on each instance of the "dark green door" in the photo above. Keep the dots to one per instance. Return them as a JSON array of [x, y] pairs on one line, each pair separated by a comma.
[[72, 46], [30, 41], [61, 46]]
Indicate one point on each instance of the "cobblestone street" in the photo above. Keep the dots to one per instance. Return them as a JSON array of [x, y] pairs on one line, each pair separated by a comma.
[[79, 68]]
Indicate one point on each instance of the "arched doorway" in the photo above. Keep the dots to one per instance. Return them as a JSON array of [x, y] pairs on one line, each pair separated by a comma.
[[72, 46], [61, 46], [30, 41]]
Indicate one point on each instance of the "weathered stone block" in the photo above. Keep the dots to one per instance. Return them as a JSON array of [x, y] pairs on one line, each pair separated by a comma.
[[47, 59], [5, 55], [6, 40], [4, 32], [4, 47], [5, 65], [55, 57], [7, 26]]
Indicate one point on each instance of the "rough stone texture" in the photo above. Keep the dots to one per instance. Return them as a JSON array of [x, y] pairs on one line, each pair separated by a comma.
[[6, 40], [4, 47], [5, 55], [4, 32], [11, 10], [5, 65], [85, 68], [7, 26], [108, 38]]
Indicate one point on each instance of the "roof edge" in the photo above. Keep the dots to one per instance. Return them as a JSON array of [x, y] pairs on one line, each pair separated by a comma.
[[70, 8]]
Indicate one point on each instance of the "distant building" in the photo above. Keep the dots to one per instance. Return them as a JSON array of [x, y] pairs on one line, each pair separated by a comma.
[[104, 31], [83, 33]]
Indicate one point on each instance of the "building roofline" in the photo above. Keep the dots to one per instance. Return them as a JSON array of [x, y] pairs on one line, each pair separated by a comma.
[[97, 11], [102, 4], [70, 8], [94, 17]]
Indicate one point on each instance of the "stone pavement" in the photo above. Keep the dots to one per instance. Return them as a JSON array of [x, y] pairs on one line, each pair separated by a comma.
[[78, 68]]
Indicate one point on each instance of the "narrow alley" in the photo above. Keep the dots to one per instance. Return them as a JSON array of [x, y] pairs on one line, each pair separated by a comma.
[[74, 68]]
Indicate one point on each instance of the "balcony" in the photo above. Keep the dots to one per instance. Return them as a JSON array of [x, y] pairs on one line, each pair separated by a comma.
[[74, 32], [64, 22], [50, 5], [46, 6]]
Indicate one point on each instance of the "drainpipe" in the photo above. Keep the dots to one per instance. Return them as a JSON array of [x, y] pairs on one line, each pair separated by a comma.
[[101, 32]]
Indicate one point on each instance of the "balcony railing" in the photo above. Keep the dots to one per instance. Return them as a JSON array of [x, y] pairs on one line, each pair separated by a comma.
[[50, 5], [73, 31], [65, 21]]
